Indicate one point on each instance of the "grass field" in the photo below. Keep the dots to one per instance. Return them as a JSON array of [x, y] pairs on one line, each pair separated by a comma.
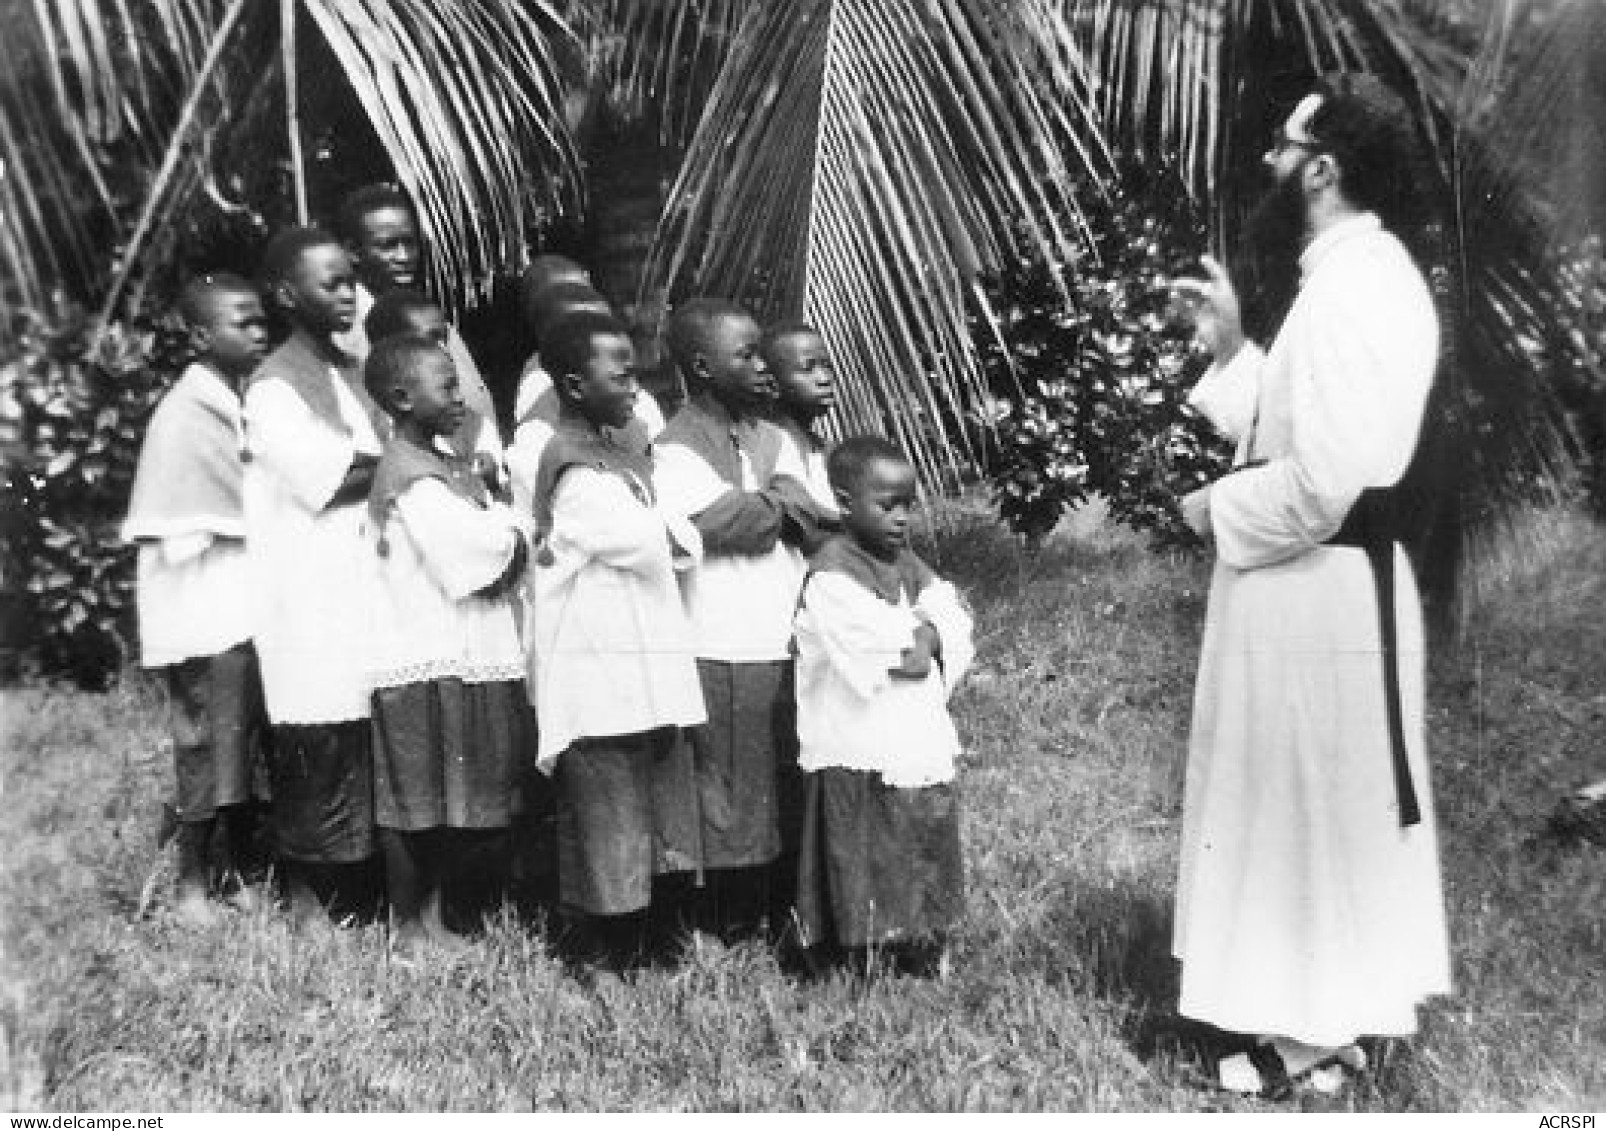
[[1063, 988]]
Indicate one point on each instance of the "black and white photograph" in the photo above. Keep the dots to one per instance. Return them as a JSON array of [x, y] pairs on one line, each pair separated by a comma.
[[802, 557]]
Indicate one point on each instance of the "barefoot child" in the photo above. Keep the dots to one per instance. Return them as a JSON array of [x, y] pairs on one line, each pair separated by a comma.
[[881, 643], [805, 386], [730, 470], [311, 450], [611, 664], [450, 721], [194, 588]]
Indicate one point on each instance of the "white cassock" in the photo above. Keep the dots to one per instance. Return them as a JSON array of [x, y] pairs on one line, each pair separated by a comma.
[[1304, 909], [315, 566]]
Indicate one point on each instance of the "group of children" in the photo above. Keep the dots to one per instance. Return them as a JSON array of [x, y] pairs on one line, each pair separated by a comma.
[[701, 646]]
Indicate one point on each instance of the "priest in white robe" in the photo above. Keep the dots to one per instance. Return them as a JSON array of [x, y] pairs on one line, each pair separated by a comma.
[[1309, 910]]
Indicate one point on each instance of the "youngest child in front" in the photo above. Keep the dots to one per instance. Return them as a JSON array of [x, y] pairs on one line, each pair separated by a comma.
[[881, 643]]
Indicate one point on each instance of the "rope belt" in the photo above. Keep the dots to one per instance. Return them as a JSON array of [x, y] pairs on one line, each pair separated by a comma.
[[1370, 527]]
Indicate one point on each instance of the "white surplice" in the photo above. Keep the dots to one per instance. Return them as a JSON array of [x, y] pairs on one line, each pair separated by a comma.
[[740, 605], [429, 621], [851, 713], [611, 649], [1304, 909], [536, 414], [195, 593], [314, 566]]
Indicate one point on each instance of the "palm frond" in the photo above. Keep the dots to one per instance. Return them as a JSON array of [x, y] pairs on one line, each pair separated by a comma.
[[658, 60], [858, 164], [466, 98]]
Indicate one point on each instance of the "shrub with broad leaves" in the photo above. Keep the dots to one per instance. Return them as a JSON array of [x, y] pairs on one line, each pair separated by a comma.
[[1091, 387], [73, 410]]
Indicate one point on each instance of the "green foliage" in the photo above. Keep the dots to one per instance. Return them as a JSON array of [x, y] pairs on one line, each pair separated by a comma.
[[1092, 388], [73, 422]]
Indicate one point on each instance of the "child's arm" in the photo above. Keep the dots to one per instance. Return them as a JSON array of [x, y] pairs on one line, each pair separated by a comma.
[[861, 637], [729, 522], [320, 467], [940, 607], [465, 548], [915, 662], [804, 523], [357, 484], [597, 514]]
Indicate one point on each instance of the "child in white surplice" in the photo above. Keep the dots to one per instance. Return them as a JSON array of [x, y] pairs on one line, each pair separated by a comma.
[[451, 721], [881, 642]]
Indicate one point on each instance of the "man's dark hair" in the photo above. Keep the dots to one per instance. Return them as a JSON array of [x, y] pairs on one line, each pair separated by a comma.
[[573, 339], [360, 203], [197, 302], [851, 460], [285, 250], [690, 327], [392, 311], [1373, 137], [394, 363]]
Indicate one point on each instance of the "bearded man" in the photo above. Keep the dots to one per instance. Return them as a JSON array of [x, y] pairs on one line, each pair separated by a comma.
[[1310, 911]]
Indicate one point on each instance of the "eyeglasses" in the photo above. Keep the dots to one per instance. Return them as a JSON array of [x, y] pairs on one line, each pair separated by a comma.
[[1286, 140]]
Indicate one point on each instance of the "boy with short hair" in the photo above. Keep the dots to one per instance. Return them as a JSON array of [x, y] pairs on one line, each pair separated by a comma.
[[403, 311], [194, 592], [805, 385], [881, 643], [538, 406], [727, 467], [450, 721], [311, 452], [611, 667]]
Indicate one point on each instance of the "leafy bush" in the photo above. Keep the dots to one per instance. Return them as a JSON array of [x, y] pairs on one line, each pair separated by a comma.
[[1091, 390], [72, 424]]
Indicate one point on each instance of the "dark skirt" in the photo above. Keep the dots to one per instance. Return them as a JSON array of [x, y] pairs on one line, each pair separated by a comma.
[[220, 731], [450, 754], [750, 734], [322, 780], [878, 864], [626, 812]]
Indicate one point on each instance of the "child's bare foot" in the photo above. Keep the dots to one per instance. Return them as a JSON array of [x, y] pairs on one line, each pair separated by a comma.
[[409, 944], [306, 909], [247, 899], [442, 937], [192, 908]]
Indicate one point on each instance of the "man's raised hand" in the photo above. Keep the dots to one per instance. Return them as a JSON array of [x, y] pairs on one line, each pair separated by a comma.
[[1212, 304]]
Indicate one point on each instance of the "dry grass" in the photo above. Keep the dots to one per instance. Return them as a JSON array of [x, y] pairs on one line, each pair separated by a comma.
[[1063, 989]]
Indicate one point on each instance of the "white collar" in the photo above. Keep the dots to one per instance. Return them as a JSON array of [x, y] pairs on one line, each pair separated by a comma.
[[1363, 224]]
